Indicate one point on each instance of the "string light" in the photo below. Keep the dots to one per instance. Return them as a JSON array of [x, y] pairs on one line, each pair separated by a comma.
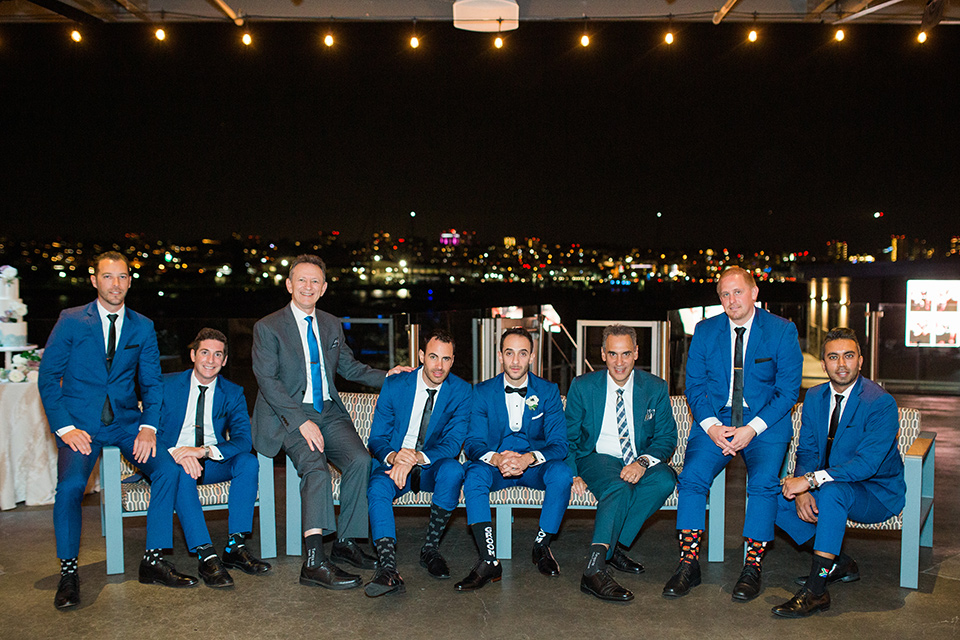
[[838, 36], [160, 34], [498, 43], [328, 39], [668, 38], [585, 40], [75, 36], [414, 40], [753, 35], [922, 37]]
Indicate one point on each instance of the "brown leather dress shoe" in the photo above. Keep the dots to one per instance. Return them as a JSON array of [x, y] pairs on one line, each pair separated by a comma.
[[803, 604], [480, 575]]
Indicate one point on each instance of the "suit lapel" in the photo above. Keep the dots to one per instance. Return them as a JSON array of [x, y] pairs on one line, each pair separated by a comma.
[[726, 356], [756, 336], [96, 330], [219, 400], [599, 400], [290, 334], [823, 427], [501, 423], [639, 409]]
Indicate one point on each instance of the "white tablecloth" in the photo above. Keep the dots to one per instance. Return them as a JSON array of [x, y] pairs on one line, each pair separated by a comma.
[[28, 451]]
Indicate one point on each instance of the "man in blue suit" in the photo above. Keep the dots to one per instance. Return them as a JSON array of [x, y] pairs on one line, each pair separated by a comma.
[[743, 378], [205, 427], [517, 437], [418, 429], [848, 467], [95, 358], [622, 434]]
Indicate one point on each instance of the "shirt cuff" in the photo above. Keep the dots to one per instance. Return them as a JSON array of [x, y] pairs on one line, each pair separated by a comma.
[[148, 426], [539, 458], [486, 457], [653, 461], [65, 430], [426, 460], [709, 422], [822, 476], [758, 425], [215, 453]]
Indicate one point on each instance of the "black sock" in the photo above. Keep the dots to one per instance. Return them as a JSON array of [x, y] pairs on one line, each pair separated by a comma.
[[387, 553], [543, 539], [690, 544], [843, 559], [483, 534], [819, 568], [235, 541], [438, 523], [314, 547], [596, 562], [205, 552], [153, 556], [68, 566]]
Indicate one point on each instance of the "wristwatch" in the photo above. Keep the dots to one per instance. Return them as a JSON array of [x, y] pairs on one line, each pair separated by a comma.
[[206, 451], [811, 480], [643, 462]]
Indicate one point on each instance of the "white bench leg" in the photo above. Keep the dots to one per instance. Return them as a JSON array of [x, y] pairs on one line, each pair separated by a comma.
[[112, 509], [294, 521], [268, 508], [504, 532], [717, 517]]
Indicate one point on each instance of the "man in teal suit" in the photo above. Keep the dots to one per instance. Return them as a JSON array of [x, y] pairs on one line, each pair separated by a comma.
[[622, 434]]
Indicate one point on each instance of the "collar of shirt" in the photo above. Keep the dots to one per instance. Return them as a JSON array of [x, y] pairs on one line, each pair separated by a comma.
[[525, 383], [627, 387], [188, 429], [746, 334], [515, 402], [416, 411], [105, 321]]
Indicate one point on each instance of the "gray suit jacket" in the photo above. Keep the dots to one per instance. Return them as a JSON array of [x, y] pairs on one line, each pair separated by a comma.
[[279, 365]]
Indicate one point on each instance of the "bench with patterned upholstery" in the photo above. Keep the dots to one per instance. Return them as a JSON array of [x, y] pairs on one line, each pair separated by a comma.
[[361, 407], [915, 522], [124, 494]]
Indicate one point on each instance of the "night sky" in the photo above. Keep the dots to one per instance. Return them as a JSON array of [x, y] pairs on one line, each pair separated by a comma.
[[783, 144]]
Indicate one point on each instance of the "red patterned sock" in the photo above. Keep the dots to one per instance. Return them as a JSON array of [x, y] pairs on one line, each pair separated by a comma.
[[690, 544], [755, 551]]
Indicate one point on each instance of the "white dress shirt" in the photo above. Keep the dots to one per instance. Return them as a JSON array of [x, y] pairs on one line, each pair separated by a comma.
[[416, 413], [300, 317], [822, 475], [515, 406], [188, 437], [609, 441]]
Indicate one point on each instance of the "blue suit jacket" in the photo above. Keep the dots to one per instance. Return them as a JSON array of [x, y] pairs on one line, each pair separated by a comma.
[[448, 422], [772, 370], [654, 429], [544, 426], [865, 445], [74, 381], [231, 424]]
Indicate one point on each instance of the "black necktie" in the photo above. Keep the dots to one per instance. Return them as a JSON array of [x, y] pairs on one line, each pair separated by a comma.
[[198, 425], [736, 404], [520, 390], [424, 423], [834, 423], [106, 414]]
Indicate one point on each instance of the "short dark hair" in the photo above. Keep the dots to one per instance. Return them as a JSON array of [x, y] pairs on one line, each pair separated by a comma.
[[109, 255], [618, 330], [209, 334], [736, 271], [838, 333], [516, 331], [440, 334], [306, 258]]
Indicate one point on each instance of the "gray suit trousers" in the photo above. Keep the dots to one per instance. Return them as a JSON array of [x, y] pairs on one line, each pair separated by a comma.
[[343, 448]]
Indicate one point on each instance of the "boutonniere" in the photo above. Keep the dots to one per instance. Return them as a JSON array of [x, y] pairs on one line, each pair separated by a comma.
[[532, 402]]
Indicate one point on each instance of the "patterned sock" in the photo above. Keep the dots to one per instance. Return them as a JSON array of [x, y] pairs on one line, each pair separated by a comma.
[[387, 553], [153, 556], [235, 541], [690, 544], [543, 539], [314, 547], [205, 551], [817, 581], [755, 551], [435, 528], [68, 566], [483, 534], [596, 563]]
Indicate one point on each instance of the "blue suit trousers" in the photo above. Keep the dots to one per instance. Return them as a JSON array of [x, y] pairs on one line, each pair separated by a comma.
[[553, 477], [444, 478]]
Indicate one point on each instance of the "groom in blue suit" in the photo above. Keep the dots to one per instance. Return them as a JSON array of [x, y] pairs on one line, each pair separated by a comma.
[[743, 377], [418, 430], [205, 427], [622, 434], [517, 437], [848, 467], [95, 358]]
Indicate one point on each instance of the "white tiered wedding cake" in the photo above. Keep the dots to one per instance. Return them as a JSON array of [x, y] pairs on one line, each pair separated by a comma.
[[13, 329]]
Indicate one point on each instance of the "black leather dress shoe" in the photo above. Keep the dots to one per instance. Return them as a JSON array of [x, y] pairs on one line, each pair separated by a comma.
[[385, 581], [328, 575], [683, 579], [546, 563], [848, 572], [603, 586], [164, 573], [350, 552], [214, 574], [803, 604], [242, 559], [621, 562], [748, 585], [480, 575], [68, 591], [433, 562]]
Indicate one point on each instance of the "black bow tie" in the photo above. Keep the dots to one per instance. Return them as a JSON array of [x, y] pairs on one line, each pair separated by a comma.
[[521, 390]]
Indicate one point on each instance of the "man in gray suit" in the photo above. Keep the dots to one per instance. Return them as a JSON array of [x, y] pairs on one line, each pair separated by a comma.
[[297, 351]]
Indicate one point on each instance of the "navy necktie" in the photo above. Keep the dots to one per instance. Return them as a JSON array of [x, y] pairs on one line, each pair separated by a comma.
[[424, 423], [736, 404], [834, 423], [106, 414], [198, 426]]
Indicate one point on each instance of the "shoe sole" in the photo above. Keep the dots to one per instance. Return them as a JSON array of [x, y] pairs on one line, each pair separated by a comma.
[[219, 586], [591, 592], [671, 594], [852, 577], [739, 597], [164, 584], [795, 617], [388, 590], [246, 571], [342, 560], [333, 587], [497, 579], [434, 575]]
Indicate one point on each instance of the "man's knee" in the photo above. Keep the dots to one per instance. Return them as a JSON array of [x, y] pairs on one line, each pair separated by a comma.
[[449, 471], [557, 473]]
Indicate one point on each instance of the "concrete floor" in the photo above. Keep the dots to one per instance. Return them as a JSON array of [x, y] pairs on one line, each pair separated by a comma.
[[524, 605]]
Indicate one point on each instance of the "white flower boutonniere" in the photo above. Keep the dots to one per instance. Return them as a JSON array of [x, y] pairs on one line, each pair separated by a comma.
[[532, 402]]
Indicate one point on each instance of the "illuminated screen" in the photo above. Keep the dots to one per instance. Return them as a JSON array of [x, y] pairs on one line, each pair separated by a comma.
[[933, 317]]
